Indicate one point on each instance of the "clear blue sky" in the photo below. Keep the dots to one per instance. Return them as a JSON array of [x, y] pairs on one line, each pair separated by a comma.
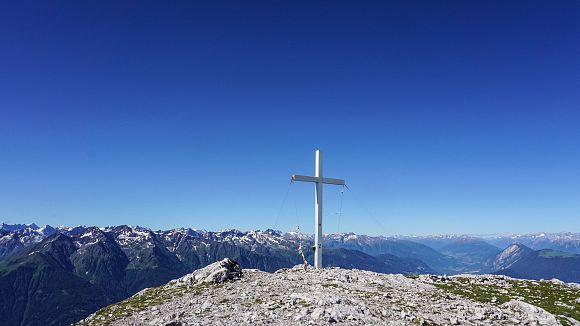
[[443, 116]]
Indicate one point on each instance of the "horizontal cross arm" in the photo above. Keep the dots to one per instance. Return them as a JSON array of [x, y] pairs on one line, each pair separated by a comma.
[[305, 178], [333, 181]]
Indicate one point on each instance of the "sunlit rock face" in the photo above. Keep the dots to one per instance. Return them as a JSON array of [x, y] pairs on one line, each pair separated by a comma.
[[511, 255]]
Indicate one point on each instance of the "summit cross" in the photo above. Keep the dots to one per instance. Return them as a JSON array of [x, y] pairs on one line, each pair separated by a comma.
[[319, 180]]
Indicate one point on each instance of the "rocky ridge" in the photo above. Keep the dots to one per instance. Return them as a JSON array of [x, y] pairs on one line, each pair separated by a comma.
[[511, 255], [223, 294]]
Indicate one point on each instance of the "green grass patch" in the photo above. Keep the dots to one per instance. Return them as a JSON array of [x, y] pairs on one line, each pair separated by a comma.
[[141, 301], [549, 253], [330, 285], [557, 299]]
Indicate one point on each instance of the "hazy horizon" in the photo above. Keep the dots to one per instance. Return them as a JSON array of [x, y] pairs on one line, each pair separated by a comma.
[[306, 231]]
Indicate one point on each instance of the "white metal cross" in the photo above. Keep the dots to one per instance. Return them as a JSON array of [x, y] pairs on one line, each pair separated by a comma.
[[319, 180]]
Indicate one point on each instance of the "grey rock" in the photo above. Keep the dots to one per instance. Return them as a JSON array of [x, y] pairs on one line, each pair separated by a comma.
[[226, 269], [221, 294], [317, 313]]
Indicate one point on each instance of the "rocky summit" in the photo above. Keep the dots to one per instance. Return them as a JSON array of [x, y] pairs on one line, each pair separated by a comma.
[[224, 294]]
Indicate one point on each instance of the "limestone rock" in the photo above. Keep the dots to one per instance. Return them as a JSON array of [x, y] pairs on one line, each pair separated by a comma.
[[220, 294], [218, 272], [532, 313]]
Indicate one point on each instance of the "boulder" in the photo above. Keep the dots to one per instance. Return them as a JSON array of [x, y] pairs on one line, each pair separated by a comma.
[[218, 272]]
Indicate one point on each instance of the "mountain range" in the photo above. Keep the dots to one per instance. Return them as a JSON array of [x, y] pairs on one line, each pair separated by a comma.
[[520, 261], [58, 275]]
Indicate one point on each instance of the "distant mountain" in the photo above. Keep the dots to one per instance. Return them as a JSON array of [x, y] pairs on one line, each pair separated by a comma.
[[563, 241], [449, 254], [439, 241], [16, 236], [520, 261], [567, 241], [384, 263], [476, 254], [510, 255], [32, 228], [397, 247], [17, 227]]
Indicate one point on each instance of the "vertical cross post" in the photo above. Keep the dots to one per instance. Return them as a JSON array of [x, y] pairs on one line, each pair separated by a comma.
[[319, 181], [318, 212]]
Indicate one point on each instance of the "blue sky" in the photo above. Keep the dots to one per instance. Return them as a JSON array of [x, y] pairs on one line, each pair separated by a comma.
[[443, 116]]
